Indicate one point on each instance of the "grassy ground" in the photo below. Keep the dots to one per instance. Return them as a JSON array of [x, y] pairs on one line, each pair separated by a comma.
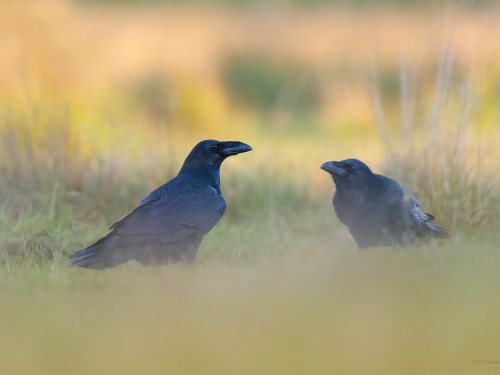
[[279, 286], [429, 309]]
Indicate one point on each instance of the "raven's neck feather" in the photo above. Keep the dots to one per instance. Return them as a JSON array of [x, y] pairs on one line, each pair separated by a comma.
[[206, 173]]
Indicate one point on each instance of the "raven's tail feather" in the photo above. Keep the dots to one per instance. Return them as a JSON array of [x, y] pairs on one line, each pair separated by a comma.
[[436, 231], [113, 250], [103, 254]]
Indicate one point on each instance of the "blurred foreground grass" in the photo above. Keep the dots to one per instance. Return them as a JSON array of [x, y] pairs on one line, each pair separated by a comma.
[[428, 309]]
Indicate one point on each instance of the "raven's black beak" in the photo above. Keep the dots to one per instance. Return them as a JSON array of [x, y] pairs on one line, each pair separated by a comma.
[[332, 167], [233, 148]]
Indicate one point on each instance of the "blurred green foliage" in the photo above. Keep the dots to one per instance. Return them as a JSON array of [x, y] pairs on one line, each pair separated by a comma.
[[260, 83], [389, 84], [154, 95]]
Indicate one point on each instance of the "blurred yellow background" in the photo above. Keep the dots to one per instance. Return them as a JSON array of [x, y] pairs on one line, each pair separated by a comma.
[[100, 102]]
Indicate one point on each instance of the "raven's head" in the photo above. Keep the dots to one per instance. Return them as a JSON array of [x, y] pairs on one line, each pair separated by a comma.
[[350, 172], [214, 152]]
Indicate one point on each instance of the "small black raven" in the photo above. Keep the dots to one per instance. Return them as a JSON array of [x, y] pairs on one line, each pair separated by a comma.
[[170, 222], [377, 210]]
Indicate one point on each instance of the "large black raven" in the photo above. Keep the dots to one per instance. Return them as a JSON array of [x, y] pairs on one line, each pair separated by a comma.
[[170, 222], [377, 210]]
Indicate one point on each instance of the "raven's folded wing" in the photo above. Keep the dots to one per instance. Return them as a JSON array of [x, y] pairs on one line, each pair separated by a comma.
[[195, 210], [404, 210]]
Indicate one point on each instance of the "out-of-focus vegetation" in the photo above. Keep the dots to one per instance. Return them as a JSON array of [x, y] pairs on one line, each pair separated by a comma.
[[285, 2], [100, 105], [423, 310], [264, 85]]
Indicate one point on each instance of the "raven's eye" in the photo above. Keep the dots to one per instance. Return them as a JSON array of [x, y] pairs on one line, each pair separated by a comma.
[[214, 148], [352, 169]]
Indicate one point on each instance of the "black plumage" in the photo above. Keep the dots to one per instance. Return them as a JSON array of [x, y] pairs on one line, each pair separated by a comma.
[[169, 224], [377, 210]]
